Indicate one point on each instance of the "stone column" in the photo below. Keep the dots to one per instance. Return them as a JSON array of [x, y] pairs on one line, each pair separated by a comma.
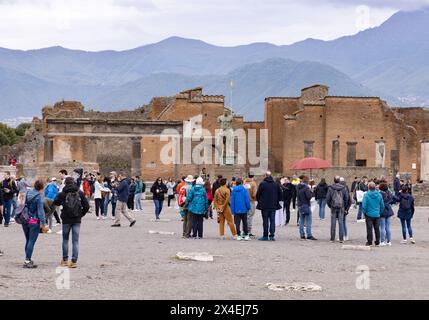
[[351, 154], [49, 149], [380, 153], [136, 158], [336, 153], [424, 172]]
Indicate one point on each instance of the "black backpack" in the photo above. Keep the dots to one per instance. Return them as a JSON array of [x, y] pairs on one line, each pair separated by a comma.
[[72, 207], [405, 203], [337, 199]]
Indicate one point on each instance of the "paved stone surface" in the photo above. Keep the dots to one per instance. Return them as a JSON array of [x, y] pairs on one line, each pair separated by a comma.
[[130, 263]]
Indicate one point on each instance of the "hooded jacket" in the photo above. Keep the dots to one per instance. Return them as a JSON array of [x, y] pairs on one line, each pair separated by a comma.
[[304, 195], [289, 191], [321, 191], [334, 188], [403, 213], [197, 200], [240, 201], [372, 204], [387, 199], [269, 195], [35, 205], [61, 198]]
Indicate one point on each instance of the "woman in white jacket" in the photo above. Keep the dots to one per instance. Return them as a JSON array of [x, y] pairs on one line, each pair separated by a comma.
[[98, 189]]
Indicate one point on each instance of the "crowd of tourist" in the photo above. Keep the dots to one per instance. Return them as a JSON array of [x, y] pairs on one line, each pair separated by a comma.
[[197, 198]]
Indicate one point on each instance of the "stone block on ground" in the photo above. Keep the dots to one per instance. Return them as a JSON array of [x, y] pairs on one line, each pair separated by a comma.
[[195, 256], [161, 232], [295, 286], [356, 248], [160, 220]]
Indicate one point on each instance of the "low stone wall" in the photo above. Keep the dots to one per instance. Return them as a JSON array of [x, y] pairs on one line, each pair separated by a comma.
[[421, 194], [11, 169]]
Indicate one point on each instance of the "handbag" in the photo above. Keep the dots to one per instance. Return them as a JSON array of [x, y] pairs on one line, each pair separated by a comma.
[[22, 215]]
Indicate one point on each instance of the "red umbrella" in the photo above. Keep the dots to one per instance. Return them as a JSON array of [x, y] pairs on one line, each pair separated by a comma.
[[310, 163]]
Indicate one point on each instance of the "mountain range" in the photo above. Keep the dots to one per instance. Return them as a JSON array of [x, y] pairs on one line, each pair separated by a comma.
[[390, 61]]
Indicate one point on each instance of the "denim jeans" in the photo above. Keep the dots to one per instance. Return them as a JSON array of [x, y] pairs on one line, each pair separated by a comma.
[[305, 218], [14, 205], [345, 225], [158, 207], [113, 208], [138, 201], [322, 205], [385, 234], [359, 215], [269, 222], [75, 229], [31, 232], [406, 224], [337, 214], [7, 208], [106, 204]]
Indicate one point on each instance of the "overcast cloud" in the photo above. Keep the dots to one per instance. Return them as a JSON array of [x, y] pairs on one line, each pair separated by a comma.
[[123, 24]]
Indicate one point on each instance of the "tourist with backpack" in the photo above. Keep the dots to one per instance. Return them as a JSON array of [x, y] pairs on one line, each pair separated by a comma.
[[337, 199], [74, 207], [385, 216], [372, 207], [406, 213], [32, 218], [197, 206]]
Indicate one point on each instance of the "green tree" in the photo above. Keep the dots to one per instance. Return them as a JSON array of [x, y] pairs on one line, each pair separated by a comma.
[[9, 136], [20, 130]]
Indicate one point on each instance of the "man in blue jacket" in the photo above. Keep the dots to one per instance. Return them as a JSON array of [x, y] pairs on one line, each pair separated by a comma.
[[372, 207], [240, 206], [123, 190]]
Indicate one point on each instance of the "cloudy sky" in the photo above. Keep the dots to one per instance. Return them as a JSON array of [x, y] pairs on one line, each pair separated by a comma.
[[123, 24]]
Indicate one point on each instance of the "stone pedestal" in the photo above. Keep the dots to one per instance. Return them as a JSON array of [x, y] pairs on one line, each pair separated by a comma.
[[424, 171], [380, 153]]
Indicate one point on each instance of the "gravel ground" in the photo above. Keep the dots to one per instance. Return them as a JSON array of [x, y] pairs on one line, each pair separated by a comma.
[[130, 263]]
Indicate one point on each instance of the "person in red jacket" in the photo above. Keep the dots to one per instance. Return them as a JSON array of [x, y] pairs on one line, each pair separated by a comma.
[[209, 191]]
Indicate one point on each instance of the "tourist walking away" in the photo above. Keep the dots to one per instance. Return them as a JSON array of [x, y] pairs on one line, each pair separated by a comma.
[[170, 191], [138, 194], [35, 223], [252, 188], [268, 196], [406, 213], [123, 190], [240, 206], [304, 196], [361, 189], [197, 206], [74, 207], [9, 191], [208, 187], [347, 208], [159, 189], [99, 189], [131, 196], [289, 192], [51, 192], [337, 199], [320, 195], [222, 200], [385, 234], [187, 216], [397, 185], [372, 207]]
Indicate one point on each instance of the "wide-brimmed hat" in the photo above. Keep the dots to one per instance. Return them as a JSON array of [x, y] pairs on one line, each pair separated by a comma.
[[190, 178], [54, 179], [200, 181]]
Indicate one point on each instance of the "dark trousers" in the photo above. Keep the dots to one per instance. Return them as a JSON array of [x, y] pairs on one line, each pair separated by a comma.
[[31, 232], [99, 207], [57, 218], [237, 220], [372, 223], [269, 222], [170, 197], [197, 225], [187, 224], [130, 202], [287, 209]]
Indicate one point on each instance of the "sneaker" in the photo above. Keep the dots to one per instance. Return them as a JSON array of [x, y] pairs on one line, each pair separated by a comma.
[[368, 244], [49, 231], [115, 225], [247, 238], [341, 241], [103, 218], [251, 235], [377, 244], [64, 263], [303, 238], [263, 239], [222, 237], [412, 241], [72, 265], [311, 238], [389, 244], [29, 265], [98, 218], [60, 232], [235, 237], [6, 225], [332, 241], [272, 239], [403, 241], [383, 244], [133, 223], [239, 238], [346, 238]]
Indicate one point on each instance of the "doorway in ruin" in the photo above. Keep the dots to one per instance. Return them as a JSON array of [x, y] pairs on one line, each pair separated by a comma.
[[109, 163]]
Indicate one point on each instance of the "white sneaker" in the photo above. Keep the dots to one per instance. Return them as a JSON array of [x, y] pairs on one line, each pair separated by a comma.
[[246, 238], [389, 244], [403, 241], [346, 238], [412, 241], [383, 244], [60, 232], [239, 238], [98, 218], [49, 231]]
